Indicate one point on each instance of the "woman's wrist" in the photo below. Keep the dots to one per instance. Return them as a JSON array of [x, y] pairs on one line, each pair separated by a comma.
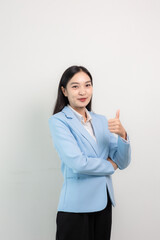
[[124, 135]]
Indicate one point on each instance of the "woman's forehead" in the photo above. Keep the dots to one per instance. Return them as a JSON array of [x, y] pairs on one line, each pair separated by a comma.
[[80, 77]]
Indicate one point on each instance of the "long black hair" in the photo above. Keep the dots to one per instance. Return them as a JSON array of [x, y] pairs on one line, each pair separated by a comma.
[[62, 101]]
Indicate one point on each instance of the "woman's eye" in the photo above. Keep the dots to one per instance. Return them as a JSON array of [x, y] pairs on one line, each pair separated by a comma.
[[88, 85]]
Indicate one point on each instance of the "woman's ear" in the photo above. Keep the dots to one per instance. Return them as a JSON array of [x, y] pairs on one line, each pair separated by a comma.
[[63, 91]]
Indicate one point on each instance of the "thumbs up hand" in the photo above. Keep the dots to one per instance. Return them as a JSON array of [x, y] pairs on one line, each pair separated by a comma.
[[115, 126]]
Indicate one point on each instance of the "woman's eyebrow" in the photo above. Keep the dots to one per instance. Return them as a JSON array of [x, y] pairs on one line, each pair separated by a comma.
[[78, 83]]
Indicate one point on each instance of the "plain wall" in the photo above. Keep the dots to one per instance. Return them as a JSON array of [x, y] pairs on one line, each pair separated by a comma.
[[118, 41]]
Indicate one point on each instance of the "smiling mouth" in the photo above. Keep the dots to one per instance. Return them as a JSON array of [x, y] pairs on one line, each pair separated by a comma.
[[82, 99]]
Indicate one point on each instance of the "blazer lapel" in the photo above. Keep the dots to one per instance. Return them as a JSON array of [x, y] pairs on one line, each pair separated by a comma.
[[77, 126]]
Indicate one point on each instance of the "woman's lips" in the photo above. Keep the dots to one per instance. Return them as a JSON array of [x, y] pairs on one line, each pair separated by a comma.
[[82, 99]]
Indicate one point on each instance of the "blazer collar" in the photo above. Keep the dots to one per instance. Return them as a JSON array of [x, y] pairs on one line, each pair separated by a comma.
[[79, 116], [77, 126]]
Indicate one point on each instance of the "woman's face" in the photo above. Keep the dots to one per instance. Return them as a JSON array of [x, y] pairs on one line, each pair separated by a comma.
[[78, 87]]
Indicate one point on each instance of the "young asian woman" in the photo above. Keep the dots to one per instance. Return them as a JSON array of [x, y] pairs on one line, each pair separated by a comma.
[[90, 153]]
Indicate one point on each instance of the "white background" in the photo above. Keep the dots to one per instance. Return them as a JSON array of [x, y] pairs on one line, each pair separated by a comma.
[[119, 43]]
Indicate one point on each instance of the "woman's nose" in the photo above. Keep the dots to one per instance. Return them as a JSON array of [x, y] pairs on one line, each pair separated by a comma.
[[81, 90]]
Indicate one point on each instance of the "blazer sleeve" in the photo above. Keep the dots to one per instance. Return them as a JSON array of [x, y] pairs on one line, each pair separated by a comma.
[[70, 153]]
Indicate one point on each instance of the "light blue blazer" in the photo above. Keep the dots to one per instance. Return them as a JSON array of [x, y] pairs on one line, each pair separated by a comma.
[[86, 171]]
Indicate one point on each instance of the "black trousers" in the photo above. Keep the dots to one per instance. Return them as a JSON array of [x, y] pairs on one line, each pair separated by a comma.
[[85, 226]]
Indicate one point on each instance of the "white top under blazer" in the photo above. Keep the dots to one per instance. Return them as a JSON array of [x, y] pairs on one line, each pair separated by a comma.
[[87, 124]]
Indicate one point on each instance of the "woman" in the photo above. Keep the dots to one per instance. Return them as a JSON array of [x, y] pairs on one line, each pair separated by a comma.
[[90, 153]]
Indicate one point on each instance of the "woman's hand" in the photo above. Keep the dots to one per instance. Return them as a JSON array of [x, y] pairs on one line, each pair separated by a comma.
[[113, 163], [115, 126]]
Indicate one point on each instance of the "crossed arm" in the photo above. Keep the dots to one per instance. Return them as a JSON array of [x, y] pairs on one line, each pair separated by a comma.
[[70, 153]]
